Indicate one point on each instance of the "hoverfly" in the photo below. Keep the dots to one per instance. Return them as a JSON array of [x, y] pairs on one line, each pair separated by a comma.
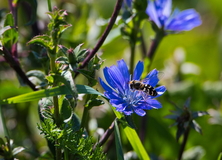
[[139, 85], [142, 86]]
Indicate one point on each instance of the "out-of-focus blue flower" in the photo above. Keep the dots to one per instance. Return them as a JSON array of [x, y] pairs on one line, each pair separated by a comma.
[[159, 12], [125, 99], [128, 3]]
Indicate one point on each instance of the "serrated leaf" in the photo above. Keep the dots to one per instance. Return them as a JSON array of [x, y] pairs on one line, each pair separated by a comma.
[[17, 150], [42, 40], [55, 91], [118, 143]]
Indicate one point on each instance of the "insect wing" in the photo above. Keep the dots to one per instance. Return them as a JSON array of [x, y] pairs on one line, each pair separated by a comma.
[[153, 79]]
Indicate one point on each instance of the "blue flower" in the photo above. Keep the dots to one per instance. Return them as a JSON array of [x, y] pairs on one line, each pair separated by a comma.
[[125, 99], [159, 12], [128, 3]]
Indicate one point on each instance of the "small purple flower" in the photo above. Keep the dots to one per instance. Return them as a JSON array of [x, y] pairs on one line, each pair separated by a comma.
[[159, 12], [125, 99]]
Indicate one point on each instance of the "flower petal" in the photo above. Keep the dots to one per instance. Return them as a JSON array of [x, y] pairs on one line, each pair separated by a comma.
[[138, 71], [160, 90], [114, 78], [152, 13], [109, 78], [125, 72], [154, 104], [152, 78], [140, 112], [105, 86], [184, 21]]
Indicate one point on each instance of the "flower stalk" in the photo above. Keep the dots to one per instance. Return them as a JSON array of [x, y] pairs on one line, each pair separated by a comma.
[[185, 137]]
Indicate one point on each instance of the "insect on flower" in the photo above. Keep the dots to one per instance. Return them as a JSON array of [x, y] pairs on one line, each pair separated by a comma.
[[143, 86], [130, 98]]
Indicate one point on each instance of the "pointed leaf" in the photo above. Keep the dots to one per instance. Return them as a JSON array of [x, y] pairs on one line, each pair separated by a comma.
[[199, 114], [42, 40], [55, 91], [196, 126], [172, 116], [119, 147]]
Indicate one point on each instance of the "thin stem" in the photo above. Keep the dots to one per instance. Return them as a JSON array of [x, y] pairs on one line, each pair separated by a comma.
[[132, 50], [185, 137], [49, 5], [143, 46], [133, 39], [84, 117], [13, 9], [154, 45], [106, 135], [16, 66], [104, 35]]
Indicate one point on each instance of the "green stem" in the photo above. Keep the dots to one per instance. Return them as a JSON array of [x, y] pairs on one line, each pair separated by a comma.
[[185, 137], [49, 5], [154, 45], [132, 50], [55, 102], [84, 117]]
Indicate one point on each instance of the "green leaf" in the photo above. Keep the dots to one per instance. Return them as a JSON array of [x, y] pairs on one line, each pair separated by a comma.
[[87, 74], [220, 156], [133, 138], [136, 143], [119, 147], [55, 91], [42, 40], [9, 20], [9, 32]]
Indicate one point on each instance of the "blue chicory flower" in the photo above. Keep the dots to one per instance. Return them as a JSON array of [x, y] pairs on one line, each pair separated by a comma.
[[125, 99], [159, 12]]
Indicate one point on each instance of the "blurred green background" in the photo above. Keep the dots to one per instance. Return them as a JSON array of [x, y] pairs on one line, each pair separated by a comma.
[[191, 62]]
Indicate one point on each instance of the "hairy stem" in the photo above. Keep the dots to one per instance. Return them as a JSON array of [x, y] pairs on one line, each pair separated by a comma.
[[185, 137], [104, 35]]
